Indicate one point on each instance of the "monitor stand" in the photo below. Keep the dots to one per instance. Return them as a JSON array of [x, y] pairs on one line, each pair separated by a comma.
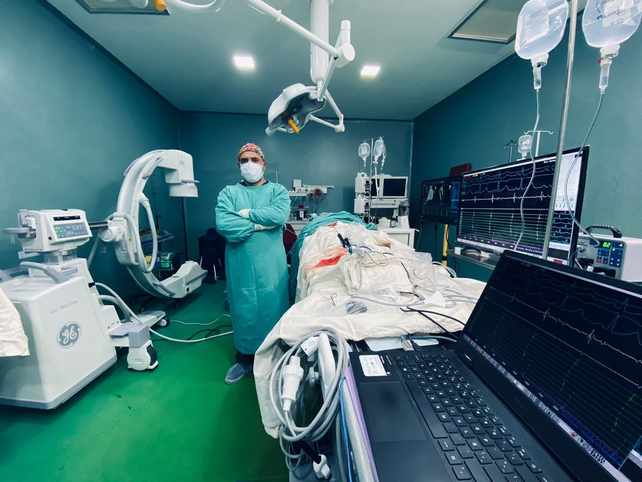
[[480, 258]]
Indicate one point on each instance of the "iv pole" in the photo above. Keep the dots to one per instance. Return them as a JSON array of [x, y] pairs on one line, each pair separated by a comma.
[[563, 122]]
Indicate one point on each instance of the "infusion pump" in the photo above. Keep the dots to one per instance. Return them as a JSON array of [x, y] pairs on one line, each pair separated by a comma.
[[619, 258]]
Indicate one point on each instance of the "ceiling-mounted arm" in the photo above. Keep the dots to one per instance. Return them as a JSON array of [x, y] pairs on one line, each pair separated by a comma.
[[277, 15], [295, 106], [342, 45], [343, 53], [339, 127]]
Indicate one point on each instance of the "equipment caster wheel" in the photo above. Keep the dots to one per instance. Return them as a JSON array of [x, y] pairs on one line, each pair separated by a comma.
[[163, 323], [177, 304], [142, 358]]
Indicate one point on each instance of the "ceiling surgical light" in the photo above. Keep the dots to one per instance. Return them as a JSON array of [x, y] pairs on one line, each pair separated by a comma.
[[214, 5], [295, 106], [291, 110]]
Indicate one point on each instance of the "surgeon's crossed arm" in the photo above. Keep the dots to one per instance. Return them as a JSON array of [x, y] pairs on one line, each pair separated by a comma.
[[276, 214], [229, 223]]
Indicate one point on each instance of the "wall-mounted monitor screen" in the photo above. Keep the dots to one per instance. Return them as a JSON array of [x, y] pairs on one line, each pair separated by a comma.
[[440, 200]]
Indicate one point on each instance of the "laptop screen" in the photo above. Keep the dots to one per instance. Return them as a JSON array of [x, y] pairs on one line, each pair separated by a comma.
[[571, 343]]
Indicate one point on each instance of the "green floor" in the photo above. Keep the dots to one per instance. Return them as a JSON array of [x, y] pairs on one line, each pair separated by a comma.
[[179, 422]]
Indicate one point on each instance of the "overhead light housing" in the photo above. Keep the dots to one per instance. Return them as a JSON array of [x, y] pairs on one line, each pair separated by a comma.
[[120, 7], [492, 21], [370, 70], [244, 62]]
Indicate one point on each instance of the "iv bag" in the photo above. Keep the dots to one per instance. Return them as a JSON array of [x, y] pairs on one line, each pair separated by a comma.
[[379, 148], [607, 23], [540, 28], [364, 151]]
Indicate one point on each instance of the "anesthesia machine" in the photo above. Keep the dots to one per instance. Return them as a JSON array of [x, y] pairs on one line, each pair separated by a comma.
[[374, 189]]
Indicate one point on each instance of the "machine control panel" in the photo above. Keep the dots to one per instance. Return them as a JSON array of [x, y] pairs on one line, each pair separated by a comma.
[[610, 253], [70, 230], [49, 230], [619, 258]]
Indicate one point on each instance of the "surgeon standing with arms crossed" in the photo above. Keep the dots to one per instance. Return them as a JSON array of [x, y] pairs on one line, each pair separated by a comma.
[[251, 216]]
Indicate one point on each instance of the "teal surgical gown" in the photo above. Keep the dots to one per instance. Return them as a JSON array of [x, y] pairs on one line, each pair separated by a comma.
[[255, 261]]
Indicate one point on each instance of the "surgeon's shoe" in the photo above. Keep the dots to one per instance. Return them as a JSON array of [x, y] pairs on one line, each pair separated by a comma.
[[238, 371]]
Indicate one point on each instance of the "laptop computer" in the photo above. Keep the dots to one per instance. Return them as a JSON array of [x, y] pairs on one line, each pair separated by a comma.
[[544, 384]]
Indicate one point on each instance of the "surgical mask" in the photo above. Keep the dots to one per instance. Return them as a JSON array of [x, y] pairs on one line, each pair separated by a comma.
[[252, 172]]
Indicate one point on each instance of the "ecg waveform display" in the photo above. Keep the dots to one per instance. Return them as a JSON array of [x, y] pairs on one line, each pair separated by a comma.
[[491, 208], [575, 344], [562, 230]]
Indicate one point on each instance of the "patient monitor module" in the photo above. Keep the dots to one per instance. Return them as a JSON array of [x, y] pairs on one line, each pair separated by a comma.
[[617, 257]]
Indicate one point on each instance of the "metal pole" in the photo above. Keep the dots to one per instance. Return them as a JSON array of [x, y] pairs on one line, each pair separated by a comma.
[[563, 122], [371, 181], [266, 9]]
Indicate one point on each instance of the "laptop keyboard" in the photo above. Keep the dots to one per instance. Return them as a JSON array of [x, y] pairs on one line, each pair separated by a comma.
[[474, 442]]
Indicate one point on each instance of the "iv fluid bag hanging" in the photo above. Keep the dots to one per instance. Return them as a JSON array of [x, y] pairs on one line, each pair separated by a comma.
[[540, 28], [610, 22], [364, 151], [379, 147]]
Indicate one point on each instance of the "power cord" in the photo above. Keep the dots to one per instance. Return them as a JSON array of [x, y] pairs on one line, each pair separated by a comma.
[[202, 324], [125, 307], [210, 332], [422, 313]]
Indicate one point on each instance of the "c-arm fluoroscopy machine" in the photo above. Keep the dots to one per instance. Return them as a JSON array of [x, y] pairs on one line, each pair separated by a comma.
[[123, 228], [73, 330]]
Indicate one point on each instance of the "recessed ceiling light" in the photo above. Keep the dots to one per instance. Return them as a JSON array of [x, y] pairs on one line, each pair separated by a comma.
[[370, 70], [245, 62]]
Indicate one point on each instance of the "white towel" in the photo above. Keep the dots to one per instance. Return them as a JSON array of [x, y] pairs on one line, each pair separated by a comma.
[[13, 341]]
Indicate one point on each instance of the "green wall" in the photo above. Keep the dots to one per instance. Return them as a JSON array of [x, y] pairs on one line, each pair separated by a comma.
[[317, 155], [475, 123], [72, 119]]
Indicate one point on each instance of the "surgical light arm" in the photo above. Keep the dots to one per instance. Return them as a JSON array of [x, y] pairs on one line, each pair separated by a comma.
[[284, 107], [295, 106], [342, 54]]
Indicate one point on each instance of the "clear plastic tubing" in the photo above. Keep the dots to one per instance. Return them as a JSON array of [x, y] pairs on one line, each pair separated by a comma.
[[540, 28]]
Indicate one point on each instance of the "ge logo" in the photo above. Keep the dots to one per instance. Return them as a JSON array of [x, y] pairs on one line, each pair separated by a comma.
[[69, 334]]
